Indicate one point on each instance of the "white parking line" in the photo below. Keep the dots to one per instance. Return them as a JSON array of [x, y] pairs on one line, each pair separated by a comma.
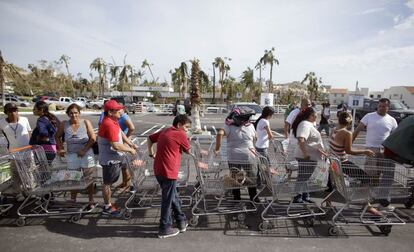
[[143, 142], [145, 132]]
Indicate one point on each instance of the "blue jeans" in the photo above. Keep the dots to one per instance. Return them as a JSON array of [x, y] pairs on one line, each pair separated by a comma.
[[169, 200]]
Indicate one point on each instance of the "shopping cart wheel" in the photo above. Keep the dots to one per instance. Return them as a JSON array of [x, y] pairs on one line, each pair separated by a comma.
[[126, 215], [385, 229], [193, 221], [409, 202], [333, 231], [20, 222], [74, 218], [241, 217], [265, 225]]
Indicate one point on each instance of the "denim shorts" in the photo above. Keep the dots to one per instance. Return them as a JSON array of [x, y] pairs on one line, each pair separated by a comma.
[[75, 162], [111, 172]]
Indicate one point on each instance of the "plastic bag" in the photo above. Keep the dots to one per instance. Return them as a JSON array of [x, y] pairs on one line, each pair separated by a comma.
[[64, 175], [320, 175]]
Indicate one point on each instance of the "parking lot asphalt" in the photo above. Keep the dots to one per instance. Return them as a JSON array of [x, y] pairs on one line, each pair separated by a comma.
[[213, 233]]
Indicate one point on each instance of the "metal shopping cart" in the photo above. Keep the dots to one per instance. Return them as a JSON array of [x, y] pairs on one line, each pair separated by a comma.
[[216, 176], [147, 194], [285, 184], [363, 180], [42, 185], [5, 183]]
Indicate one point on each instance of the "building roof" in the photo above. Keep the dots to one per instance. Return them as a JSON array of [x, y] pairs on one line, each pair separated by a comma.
[[410, 89], [338, 90]]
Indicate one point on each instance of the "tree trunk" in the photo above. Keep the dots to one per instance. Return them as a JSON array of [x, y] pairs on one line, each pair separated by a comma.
[[214, 85], [3, 98], [270, 81], [195, 112]]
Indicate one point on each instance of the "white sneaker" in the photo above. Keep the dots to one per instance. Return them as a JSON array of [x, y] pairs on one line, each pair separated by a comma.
[[389, 208]]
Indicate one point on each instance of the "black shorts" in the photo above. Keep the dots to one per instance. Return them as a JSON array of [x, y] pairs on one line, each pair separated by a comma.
[[110, 172]]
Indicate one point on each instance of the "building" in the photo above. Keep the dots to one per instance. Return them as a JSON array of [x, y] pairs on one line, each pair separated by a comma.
[[338, 95], [405, 94], [376, 94]]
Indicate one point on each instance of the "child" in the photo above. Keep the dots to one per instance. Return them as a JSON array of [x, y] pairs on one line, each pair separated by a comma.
[[170, 143]]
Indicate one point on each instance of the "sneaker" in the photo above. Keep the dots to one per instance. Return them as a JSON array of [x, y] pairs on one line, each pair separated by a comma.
[[388, 208], [112, 210], [170, 232], [182, 226], [132, 189], [298, 199]]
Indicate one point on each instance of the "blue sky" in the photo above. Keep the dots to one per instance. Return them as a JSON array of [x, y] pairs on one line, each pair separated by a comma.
[[343, 41]]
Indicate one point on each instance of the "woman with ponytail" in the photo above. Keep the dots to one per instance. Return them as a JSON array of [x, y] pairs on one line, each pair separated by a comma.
[[264, 134], [308, 152], [46, 128]]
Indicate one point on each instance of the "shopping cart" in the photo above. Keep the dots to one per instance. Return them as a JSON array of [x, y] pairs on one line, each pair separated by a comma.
[[5, 183], [285, 184], [362, 181], [43, 186], [216, 177], [148, 194]]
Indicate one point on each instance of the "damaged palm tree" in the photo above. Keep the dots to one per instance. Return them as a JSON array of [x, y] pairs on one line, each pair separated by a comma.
[[195, 95]]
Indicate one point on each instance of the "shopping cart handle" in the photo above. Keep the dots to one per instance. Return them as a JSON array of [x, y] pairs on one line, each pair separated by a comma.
[[20, 149]]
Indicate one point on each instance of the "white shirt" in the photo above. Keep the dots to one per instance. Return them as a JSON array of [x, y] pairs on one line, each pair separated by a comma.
[[262, 137], [313, 140], [16, 133], [378, 128], [292, 116]]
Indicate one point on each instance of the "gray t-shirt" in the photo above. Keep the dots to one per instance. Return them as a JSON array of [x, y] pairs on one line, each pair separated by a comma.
[[106, 153], [239, 142], [76, 141]]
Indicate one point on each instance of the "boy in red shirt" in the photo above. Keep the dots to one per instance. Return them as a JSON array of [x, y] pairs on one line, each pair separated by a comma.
[[171, 143]]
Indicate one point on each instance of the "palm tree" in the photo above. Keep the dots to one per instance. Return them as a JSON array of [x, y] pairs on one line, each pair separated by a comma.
[[114, 73], [312, 85], [145, 63], [124, 75], [99, 65], [247, 79], [65, 60], [204, 82], [195, 96], [2, 63], [269, 58], [259, 66], [214, 83], [223, 68], [183, 69]]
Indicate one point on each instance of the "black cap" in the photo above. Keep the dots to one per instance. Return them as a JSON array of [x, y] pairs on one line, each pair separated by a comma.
[[9, 107]]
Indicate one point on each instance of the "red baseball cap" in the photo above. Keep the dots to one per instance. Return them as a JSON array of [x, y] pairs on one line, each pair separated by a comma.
[[112, 105]]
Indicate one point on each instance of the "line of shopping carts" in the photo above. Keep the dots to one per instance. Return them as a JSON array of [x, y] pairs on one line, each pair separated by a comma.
[[279, 180]]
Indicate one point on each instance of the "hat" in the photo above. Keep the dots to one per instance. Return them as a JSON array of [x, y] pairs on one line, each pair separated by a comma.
[[9, 106], [112, 105]]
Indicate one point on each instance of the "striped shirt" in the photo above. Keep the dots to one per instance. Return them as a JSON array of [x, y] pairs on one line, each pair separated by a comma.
[[336, 148]]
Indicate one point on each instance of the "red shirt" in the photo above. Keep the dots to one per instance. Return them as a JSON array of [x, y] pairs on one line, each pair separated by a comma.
[[170, 144], [109, 129]]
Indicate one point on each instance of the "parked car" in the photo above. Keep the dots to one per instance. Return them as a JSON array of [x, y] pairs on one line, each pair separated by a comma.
[[64, 102], [42, 98], [19, 102], [96, 104], [129, 105], [82, 99], [254, 106], [397, 110]]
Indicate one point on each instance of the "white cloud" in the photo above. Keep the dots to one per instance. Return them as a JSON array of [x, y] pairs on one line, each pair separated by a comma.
[[370, 11], [407, 23]]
